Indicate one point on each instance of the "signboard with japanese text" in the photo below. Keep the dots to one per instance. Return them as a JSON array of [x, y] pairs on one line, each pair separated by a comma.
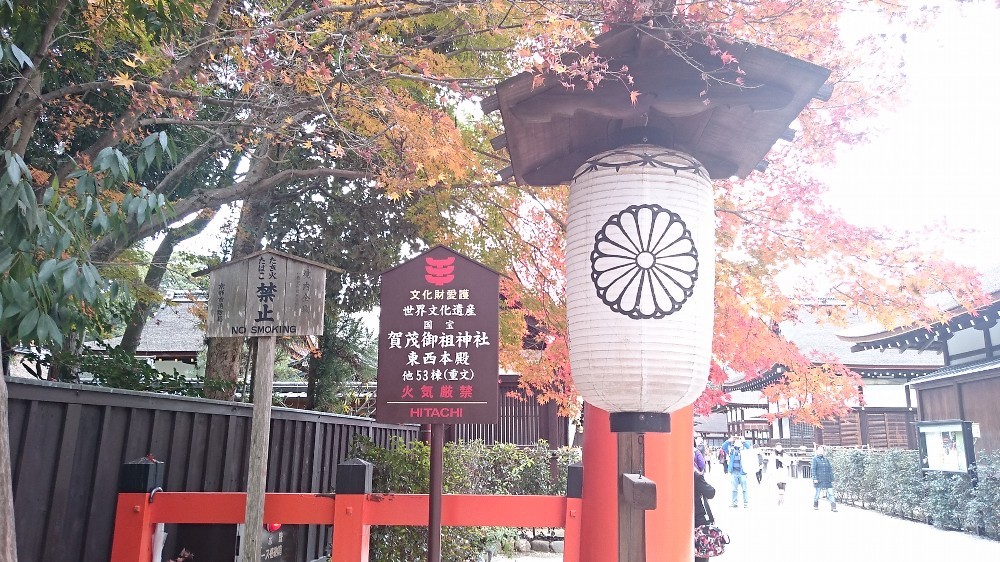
[[266, 294], [438, 349]]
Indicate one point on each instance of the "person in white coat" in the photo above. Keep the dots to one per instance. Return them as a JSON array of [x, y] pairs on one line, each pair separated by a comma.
[[751, 462]]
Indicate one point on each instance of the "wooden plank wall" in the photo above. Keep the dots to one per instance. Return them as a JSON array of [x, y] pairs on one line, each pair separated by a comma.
[[979, 404], [68, 442], [842, 432], [939, 403], [883, 428]]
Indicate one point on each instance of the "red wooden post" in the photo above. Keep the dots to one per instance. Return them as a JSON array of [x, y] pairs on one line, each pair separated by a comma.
[[571, 538], [133, 540], [600, 488], [350, 530], [669, 463]]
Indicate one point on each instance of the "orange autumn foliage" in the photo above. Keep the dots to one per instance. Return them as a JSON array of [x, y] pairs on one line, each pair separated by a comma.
[[780, 247]]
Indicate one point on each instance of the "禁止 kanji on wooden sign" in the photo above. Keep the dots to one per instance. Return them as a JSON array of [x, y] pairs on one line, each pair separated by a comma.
[[267, 293], [438, 348]]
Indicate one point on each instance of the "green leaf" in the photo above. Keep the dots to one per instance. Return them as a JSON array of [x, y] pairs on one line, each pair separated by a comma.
[[48, 329], [123, 165], [13, 169], [84, 185], [150, 153], [28, 324], [48, 268], [102, 221], [105, 158], [64, 242], [69, 278], [133, 206], [22, 58], [149, 140], [13, 309], [163, 140], [6, 259], [8, 199]]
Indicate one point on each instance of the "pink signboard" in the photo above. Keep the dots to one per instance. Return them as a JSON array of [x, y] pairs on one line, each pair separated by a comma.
[[438, 347]]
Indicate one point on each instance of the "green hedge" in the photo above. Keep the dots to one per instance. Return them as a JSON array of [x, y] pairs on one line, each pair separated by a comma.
[[469, 468], [891, 482]]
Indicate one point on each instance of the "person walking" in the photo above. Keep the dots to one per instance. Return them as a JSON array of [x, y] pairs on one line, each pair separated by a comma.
[[822, 475], [706, 452], [736, 450], [723, 460], [779, 456], [781, 479], [752, 462], [703, 491], [699, 460]]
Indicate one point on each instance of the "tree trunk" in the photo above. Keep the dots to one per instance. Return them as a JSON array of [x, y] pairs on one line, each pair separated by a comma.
[[8, 539], [61, 371], [154, 276], [222, 365]]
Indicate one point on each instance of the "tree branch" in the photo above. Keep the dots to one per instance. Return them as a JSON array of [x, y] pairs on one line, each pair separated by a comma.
[[107, 248]]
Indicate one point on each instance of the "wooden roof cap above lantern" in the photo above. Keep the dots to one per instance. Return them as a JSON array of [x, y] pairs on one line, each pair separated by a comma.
[[551, 130]]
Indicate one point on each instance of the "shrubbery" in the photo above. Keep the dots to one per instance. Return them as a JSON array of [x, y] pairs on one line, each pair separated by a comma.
[[469, 468], [891, 482]]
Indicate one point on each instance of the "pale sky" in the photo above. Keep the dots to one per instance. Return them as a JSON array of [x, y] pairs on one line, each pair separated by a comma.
[[937, 155]]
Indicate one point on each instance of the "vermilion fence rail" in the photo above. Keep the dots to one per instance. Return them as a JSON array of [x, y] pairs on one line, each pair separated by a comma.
[[351, 515]]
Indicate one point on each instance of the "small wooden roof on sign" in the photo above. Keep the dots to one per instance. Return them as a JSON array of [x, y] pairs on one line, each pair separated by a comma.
[[266, 251], [552, 130]]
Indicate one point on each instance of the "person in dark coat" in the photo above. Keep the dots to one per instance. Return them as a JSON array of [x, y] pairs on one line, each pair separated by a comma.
[[822, 475], [703, 491]]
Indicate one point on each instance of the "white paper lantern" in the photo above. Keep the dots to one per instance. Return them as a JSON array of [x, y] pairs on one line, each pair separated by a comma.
[[640, 279]]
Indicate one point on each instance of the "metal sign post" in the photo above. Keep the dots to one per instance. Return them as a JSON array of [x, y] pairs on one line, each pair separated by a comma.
[[264, 295], [438, 353]]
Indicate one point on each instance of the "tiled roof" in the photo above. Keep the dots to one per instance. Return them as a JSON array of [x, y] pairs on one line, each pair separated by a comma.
[[172, 329], [873, 331], [712, 423], [958, 370], [810, 336], [817, 339]]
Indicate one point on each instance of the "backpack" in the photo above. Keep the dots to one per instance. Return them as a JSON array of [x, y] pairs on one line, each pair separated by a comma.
[[736, 460]]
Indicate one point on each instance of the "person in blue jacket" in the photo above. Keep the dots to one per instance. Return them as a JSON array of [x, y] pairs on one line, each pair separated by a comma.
[[822, 475], [734, 447]]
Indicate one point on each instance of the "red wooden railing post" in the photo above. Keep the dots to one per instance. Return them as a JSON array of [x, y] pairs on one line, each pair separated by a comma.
[[574, 512], [351, 530], [133, 539]]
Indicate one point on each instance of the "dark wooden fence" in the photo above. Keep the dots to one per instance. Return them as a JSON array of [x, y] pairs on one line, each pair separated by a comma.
[[521, 421], [68, 442], [875, 428]]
